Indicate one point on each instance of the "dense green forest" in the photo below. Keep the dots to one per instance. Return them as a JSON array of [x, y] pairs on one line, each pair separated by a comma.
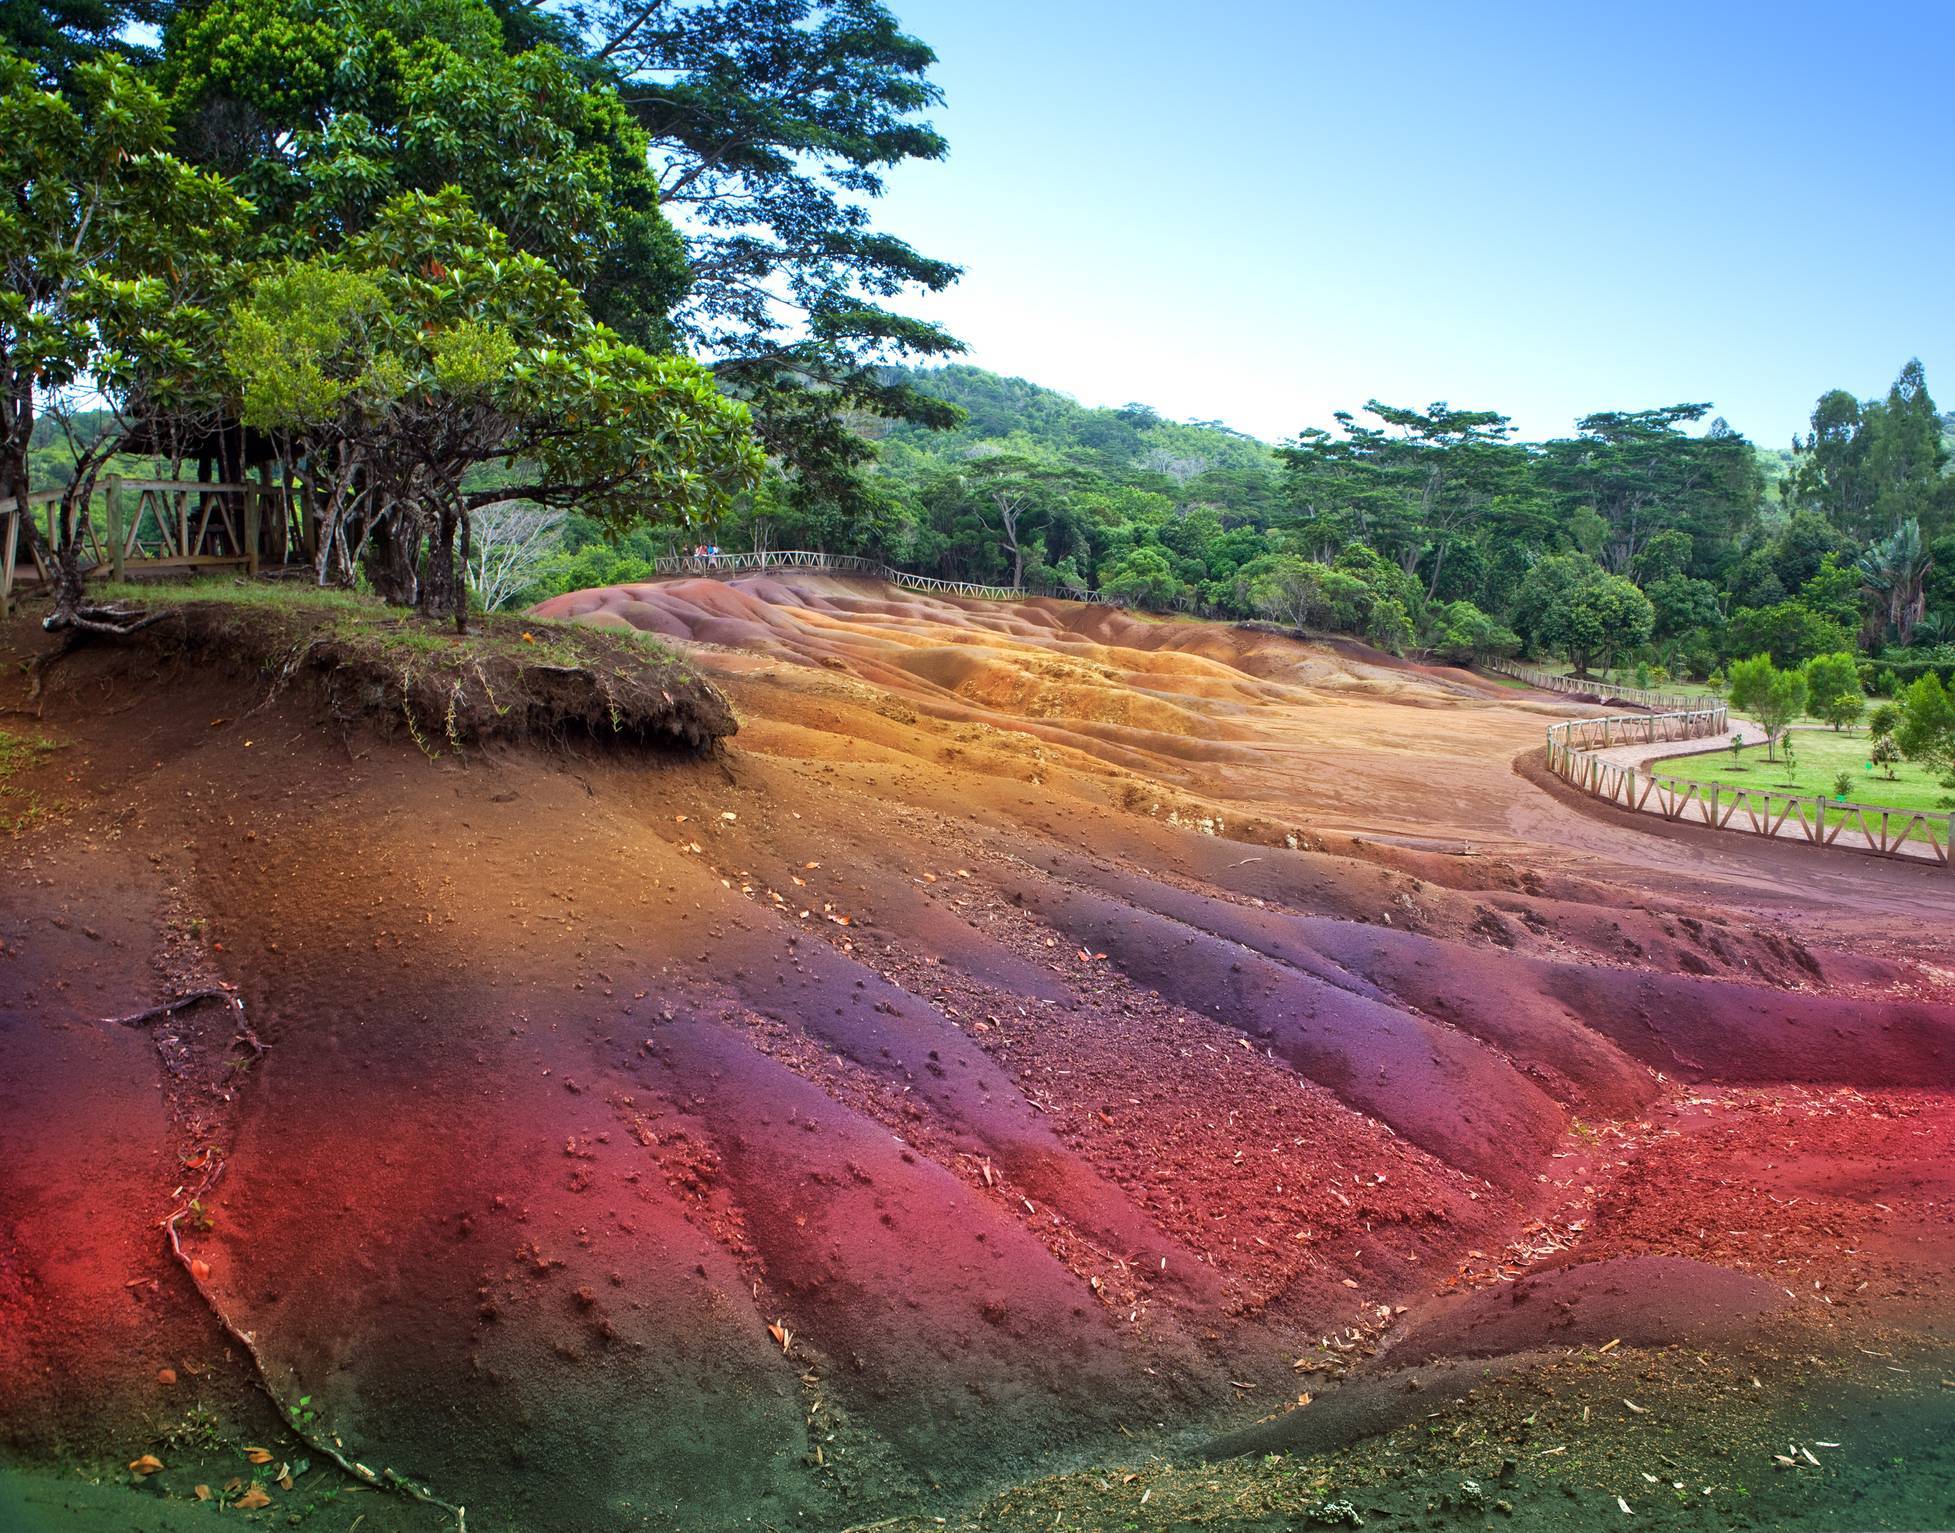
[[1650, 536]]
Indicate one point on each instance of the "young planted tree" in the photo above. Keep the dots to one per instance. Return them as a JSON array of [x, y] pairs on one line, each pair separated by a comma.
[[113, 259], [1926, 732], [1833, 689], [1773, 697]]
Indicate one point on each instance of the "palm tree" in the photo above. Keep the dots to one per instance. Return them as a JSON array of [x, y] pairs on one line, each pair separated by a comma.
[[1894, 572]]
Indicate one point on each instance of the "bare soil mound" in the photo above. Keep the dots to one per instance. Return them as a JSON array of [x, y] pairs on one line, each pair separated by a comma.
[[1637, 1301]]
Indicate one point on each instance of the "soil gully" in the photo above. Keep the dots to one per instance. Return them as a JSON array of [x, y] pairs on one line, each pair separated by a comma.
[[1037, 1052]]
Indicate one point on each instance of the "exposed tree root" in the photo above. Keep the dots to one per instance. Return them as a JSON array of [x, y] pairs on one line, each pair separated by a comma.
[[329, 1447], [226, 993], [190, 1198], [110, 620]]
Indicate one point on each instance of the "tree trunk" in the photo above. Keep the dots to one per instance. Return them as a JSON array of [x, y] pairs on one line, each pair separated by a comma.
[[444, 588], [389, 556]]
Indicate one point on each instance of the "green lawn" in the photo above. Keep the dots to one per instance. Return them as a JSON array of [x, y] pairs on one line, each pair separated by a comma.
[[1821, 755]]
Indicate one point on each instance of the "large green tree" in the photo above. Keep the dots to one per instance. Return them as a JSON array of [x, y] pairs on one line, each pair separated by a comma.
[[1641, 474], [114, 255], [1569, 603], [1871, 466], [427, 351], [1416, 487], [1926, 729], [773, 124], [325, 110], [55, 36], [1893, 572]]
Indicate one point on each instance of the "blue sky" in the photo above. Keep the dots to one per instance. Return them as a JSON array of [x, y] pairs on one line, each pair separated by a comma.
[[1260, 212]]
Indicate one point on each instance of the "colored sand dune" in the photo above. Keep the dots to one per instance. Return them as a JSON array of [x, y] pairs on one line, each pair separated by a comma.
[[1042, 1048]]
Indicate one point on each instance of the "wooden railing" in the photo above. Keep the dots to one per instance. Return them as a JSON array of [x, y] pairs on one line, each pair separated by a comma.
[[1592, 686], [1912, 835], [875, 569], [136, 525]]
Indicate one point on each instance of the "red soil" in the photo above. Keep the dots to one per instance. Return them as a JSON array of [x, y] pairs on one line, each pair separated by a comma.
[[1050, 1021]]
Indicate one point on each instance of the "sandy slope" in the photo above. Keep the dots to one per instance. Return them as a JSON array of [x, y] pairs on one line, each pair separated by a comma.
[[1055, 1025]]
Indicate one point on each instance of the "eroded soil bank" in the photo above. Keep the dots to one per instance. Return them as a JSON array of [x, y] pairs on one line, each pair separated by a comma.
[[996, 1085]]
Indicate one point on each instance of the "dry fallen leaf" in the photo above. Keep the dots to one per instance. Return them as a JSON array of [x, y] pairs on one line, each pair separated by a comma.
[[166, 1375], [203, 1493], [252, 1499], [200, 1269], [258, 1455], [781, 1334], [148, 1464]]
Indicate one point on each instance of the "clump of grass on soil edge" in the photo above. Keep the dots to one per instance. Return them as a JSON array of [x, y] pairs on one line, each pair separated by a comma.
[[509, 678], [20, 808]]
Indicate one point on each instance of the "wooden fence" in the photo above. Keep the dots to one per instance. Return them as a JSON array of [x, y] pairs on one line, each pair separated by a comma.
[[1912, 835], [855, 564], [138, 525], [1592, 686]]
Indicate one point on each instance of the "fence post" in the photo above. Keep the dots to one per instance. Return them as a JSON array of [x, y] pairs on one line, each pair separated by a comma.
[[253, 515], [112, 490]]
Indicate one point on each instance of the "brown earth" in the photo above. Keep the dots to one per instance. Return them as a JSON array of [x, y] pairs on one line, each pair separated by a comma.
[[1040, 1031]]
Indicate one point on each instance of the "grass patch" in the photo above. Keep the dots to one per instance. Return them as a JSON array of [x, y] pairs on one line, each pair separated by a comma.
[[1821, 756], [508, 678], [284, 595], [21, 808]]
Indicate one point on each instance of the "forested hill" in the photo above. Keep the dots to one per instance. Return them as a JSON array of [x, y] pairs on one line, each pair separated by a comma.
[[1133, 439]]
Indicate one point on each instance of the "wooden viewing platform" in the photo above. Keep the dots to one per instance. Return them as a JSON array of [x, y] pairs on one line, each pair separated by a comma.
[[135, 526]]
